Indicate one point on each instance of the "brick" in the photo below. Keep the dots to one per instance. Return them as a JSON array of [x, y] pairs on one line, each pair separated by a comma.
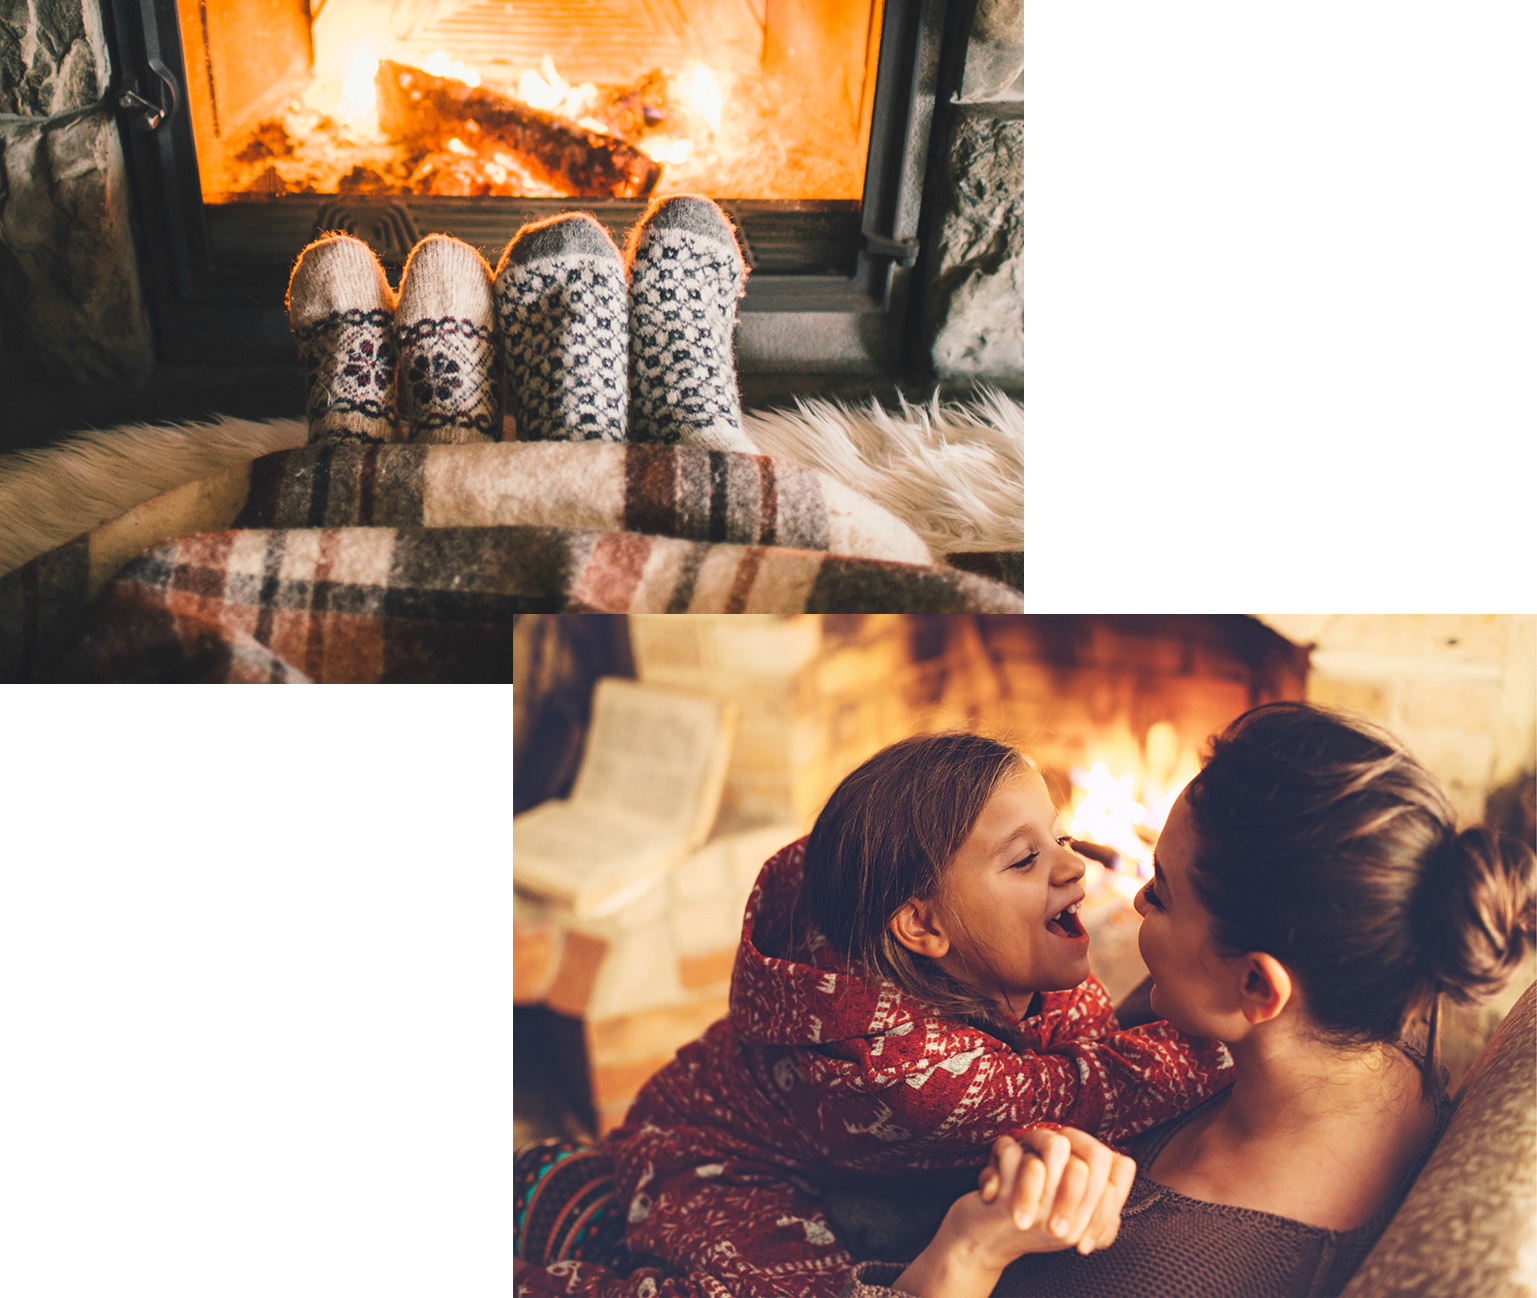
[[1370, 698], [708, 969], [1462, 705], [1455, 756], [1423, 635], [703, 926], [535, 956], [580, 960], [643, 1034], [618, 1084]]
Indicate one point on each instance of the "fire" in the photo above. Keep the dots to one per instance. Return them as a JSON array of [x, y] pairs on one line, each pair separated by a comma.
[[440, 65], [664, 150], [548, 90], [359, 106], [1113, 810], [701, 91]]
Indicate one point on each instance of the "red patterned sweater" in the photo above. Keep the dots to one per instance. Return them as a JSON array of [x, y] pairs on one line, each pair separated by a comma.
[[818, 1069]]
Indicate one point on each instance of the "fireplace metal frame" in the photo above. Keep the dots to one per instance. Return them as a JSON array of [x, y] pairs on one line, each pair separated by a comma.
[[844, 271]]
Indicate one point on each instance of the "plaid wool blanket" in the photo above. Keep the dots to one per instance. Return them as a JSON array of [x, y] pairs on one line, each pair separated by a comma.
[[401, 562]]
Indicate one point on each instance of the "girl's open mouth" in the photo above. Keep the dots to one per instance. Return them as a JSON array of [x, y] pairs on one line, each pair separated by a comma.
[[1065, 922]]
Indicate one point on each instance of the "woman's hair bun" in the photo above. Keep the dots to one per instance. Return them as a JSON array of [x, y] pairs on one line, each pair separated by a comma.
[[1483, 920]]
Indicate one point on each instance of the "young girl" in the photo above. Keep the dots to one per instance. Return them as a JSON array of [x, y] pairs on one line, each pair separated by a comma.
[[1312, 898], [912, 983]]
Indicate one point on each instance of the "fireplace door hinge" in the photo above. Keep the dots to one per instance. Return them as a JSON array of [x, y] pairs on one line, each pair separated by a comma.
[[905, 251], [149, 114]]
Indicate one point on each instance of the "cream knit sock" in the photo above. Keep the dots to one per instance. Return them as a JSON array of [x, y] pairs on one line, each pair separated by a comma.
[[686, 275], [341, 307], [450, 384], [560, 299]]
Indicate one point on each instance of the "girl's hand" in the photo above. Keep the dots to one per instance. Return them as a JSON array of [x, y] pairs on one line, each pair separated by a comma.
[[1091, 1183], [1079, 1203]]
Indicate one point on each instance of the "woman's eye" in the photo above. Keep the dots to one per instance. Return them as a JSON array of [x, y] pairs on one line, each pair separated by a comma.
[[1150, 896], [1065, 841]]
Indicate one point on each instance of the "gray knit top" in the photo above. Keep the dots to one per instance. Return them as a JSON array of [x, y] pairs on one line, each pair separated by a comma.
[[1172, 1246]]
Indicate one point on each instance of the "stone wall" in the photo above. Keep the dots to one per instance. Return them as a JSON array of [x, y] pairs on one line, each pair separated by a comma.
[[69, 278], [974, 295]]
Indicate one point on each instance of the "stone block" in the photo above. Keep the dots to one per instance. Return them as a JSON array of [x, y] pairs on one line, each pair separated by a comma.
[[643, 1035], [707, 969], [68, 270], [53, 56], [1460, 704], [704, 874], [1438, 637], [535, 957], [1458, 758], [639, 973], [995, 53], [706, 925], [975, 296], [1374, 699], [581, 958]]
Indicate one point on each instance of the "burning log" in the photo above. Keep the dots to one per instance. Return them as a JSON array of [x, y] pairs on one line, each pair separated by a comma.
[[425, 111]]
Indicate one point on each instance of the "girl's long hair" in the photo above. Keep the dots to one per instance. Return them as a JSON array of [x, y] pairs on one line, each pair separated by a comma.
[[886, 836]]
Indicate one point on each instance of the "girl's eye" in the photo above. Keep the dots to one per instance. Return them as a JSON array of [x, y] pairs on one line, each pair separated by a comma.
[[1026, 863]]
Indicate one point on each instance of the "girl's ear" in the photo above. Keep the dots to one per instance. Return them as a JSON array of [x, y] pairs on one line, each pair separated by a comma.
[[1265, 988], [917, 927]]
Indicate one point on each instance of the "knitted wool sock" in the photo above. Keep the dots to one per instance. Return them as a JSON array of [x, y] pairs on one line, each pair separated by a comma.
[[686, 275], [445, 329], [341, 308], [560, 297]]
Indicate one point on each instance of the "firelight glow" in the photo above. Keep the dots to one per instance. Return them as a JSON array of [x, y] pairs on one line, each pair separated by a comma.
[[703, 94], [440, 65], [358, 94]]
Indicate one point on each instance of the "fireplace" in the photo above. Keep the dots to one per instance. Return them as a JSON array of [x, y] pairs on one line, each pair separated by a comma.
[[255, 126]]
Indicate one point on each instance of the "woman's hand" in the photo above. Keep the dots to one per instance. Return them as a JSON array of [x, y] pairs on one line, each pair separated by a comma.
[[1091, 1181], [1047, 1191]]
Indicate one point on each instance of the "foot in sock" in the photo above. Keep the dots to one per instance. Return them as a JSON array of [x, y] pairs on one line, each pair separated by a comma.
[[342, 308], [560, 299], [445, 331], [686, 274]]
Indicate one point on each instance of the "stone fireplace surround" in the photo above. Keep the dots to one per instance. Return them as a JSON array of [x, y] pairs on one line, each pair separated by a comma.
[[78, 304]]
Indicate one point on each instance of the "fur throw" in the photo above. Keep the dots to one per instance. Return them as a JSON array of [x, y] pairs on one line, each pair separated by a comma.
[[953, 472]]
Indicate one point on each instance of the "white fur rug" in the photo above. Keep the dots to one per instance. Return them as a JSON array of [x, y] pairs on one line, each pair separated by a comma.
[[953, 471]]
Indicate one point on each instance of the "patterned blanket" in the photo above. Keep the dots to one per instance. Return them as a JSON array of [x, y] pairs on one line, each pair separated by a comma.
[[407, 563]]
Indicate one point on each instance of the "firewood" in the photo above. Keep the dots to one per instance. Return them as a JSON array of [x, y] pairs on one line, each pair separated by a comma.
[[424, 111]]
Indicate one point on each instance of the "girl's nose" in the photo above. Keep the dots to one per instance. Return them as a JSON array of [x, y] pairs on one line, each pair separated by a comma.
[[1069, 867]]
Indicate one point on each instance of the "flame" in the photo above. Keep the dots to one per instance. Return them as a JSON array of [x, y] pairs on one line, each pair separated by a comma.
[[662, 149], [548, 91], [703, 94], [359, 98], [440, 65], [1107, 812], [456, 145]]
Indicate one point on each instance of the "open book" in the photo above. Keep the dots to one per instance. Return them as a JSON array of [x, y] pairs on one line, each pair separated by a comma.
[[645, 797]]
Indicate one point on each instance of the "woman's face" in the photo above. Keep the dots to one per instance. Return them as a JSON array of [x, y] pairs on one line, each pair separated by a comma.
[[1175, 938], [1004, 898]]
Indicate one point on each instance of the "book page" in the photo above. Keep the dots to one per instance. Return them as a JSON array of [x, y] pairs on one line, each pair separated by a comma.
[[651, 754]]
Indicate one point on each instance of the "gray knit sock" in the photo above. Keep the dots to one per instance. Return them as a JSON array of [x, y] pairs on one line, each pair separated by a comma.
[[686, 275], [560, 299], [341, 308], [445, 330]]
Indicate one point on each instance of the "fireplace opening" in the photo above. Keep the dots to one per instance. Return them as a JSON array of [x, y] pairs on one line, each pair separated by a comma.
[[608, 99]]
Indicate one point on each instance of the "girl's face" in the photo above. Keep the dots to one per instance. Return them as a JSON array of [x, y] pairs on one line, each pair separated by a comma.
[[1005, 895], [1175, 938]]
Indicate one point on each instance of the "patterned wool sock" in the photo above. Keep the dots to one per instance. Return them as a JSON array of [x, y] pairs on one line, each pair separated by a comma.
[[341, 308], [445, 330], [560, 298], [686, 274]]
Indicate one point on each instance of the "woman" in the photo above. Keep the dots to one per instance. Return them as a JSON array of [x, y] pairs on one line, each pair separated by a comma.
[[1311, 901]]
